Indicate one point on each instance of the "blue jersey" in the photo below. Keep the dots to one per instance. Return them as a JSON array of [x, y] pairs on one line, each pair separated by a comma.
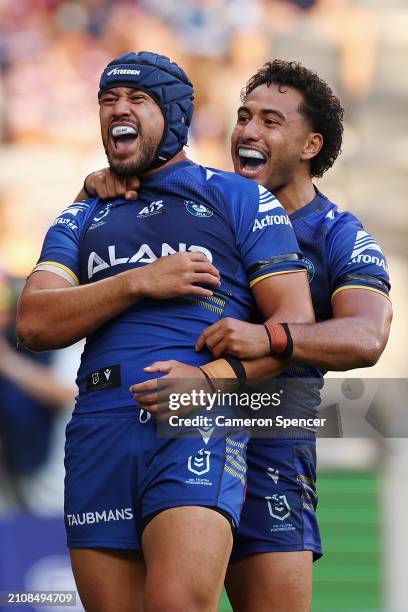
[[339, 255], [238, 225]]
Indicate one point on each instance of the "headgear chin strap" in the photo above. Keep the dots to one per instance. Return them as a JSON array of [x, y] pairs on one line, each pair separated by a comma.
[[167, 84]]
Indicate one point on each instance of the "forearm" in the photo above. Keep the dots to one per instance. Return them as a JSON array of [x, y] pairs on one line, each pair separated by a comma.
[[265, 367], [54, 318], [338, 344]]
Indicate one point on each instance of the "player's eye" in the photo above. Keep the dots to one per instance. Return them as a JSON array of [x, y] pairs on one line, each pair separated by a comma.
[[107, 100], [242, 119], [137, 98], [271, 122]]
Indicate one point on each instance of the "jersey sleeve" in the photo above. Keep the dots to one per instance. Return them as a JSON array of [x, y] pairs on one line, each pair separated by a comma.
[[356, 261], [59, 253], [265, 236]]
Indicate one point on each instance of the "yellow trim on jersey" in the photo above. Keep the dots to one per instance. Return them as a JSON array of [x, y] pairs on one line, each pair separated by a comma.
[[58, 265], [361, 287], [256, 280]]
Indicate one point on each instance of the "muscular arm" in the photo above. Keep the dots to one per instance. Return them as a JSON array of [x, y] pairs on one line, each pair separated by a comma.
[[354, 338], [53, 314]]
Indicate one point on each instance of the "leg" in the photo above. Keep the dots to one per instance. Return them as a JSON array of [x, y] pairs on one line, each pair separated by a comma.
[[109, 580], [271, 582], [186, 550]]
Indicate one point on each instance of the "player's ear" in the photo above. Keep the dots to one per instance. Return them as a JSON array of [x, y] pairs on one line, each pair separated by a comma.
[[312, 146]]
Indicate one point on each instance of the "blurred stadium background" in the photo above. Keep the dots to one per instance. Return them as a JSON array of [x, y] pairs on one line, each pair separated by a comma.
[[51, 56]]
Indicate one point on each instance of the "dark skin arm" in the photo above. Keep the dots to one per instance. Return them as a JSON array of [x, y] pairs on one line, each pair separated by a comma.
[[281, 297], [354, 338], [53, 314]]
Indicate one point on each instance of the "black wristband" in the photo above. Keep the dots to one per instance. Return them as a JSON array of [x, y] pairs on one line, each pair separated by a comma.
[[269, 338], [209, 380], [236, 365], [288, 352], [84, 187]]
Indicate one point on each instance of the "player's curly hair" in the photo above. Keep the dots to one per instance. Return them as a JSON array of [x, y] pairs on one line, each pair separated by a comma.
[[320, 106]]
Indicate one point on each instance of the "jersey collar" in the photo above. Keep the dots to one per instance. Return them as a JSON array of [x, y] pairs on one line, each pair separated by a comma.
[[318, 203], [151, 179]]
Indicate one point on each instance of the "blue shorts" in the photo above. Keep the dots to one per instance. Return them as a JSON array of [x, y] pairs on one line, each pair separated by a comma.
[[119, 474], [279, 513]]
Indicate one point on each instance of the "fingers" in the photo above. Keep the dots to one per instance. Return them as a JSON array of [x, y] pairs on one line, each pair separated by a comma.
[[131, 195], [108, 186], [146, 401], [160, 366], [202, 340], [132, 188], [206, 279], [200, 291], [221, 348], [142, 387], [206, 267]]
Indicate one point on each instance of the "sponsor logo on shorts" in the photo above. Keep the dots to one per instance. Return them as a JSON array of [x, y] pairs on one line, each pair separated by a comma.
[[278, 506], [272, 473], [200, 462], [104, 516]]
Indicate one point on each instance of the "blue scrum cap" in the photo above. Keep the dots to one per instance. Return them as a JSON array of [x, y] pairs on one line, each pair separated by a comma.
[[167, 84]]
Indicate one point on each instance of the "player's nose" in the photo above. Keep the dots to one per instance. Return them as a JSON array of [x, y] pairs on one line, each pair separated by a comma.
[[250, 131], [121, 106]]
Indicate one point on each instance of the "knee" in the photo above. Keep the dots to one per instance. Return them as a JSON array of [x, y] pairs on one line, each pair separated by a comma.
[[176, 597]]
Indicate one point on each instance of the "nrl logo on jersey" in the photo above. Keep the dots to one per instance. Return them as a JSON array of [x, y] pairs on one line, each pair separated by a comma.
[[144, 255], [364, 242]]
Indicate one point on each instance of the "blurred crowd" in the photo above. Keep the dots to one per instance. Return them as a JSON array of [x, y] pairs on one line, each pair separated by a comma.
[[51, 56]]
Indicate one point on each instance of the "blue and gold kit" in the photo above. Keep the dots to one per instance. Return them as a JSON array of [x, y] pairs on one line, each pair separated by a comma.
[[279, 514], [119, 473]]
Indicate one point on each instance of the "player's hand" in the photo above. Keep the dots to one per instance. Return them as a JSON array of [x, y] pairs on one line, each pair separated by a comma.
[[105, 184], [237, 338], [187, 377], [178, 275]]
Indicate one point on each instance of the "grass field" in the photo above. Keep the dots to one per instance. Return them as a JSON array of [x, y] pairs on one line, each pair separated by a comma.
[[348, 577]]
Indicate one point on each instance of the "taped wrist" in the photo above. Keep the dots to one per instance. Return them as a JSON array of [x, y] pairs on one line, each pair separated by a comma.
[[218, 369], [280, 339]]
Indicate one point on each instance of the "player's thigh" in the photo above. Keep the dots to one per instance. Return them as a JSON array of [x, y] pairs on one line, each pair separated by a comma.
[[109, 580], [271, 582], [186, 551]]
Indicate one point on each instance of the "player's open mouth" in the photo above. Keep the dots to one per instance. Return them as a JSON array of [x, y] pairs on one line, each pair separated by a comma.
[[123, 138], [251, 161]]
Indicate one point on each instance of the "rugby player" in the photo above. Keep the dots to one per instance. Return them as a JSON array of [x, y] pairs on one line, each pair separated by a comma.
[[288, 111], [103, 273]]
